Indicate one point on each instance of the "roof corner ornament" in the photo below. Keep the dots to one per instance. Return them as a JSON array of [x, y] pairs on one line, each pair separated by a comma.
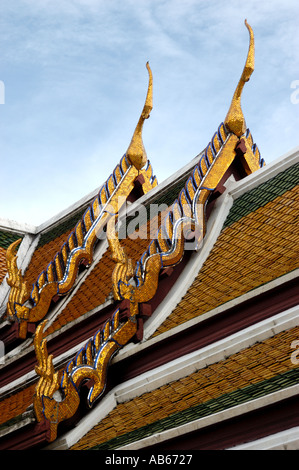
[[57, 394], [235, 121], [19, 291], [136, 152], [123, 270]]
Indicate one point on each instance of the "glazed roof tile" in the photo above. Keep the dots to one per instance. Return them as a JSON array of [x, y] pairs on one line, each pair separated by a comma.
[[264, 193], [16, 404], [63, 227], [6, 238]]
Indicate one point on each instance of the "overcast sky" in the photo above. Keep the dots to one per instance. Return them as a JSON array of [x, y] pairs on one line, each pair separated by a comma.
[[75, 82]]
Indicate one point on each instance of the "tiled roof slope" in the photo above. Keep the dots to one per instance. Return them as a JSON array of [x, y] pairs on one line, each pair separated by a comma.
[[263, 194], [91, 294], [243, 376], [6, 238], [232, 279], [258, 243]]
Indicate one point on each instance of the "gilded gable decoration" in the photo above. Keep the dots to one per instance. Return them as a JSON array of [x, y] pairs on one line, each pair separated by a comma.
[[58, 399], [61, 273], [158, 321]]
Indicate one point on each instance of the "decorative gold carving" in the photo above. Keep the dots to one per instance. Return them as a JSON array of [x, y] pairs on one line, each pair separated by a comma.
[[185, 219], [235, 121], [251, 159], [136, 152], [123, 270], [57, 395], [48, 402]]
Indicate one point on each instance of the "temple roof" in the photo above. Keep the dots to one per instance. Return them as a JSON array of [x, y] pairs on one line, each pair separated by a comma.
[[147, 307]]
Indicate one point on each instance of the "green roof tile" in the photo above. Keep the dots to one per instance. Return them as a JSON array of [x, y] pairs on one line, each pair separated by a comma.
[[60, 229]]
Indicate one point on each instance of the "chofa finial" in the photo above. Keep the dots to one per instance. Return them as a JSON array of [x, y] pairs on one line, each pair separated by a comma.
[[235, 121], [136, 152]]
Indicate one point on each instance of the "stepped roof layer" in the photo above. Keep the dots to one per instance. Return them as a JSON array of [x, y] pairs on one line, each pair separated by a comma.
[[158, 316]]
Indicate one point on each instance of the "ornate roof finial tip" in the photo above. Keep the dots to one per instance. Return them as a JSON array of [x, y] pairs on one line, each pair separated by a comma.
[[136, 152], [235, 121]]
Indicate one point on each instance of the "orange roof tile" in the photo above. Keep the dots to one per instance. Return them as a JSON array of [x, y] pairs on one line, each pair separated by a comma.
[[3, 268]]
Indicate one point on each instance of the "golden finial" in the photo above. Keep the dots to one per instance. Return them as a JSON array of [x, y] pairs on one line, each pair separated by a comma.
[[136, 152], [235, 121]]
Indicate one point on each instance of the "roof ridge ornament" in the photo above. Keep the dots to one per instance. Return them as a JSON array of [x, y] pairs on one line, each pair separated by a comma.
[[136, 152], [19, 288], [61, 272], [235, 121], [57, 394]]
